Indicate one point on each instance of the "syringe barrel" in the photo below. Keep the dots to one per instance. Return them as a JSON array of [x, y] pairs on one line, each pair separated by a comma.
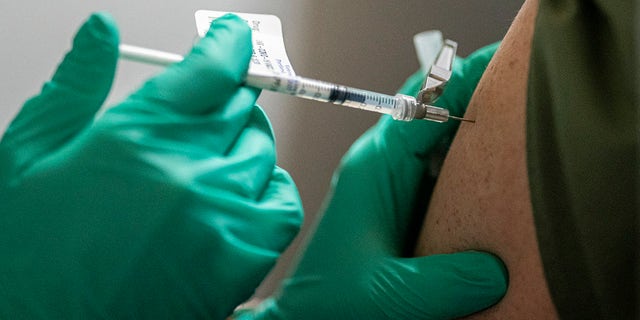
[[327, 92], [400, 107]]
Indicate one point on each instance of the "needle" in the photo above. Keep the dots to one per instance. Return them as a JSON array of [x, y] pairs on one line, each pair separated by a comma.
[[461, 119]]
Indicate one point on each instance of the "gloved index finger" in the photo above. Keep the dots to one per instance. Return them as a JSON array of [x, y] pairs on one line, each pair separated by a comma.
[[68, 102], [209, 75]]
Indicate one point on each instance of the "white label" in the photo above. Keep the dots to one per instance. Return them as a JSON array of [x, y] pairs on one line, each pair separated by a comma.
[[269, 54]]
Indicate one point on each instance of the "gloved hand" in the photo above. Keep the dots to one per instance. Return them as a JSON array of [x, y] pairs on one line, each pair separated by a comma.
[[355, 265], [168, 205]]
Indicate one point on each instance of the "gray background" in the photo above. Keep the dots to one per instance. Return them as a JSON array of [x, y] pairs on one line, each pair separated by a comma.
[[360, 43]]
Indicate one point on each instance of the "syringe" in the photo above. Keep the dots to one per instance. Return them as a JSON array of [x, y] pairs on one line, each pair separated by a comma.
[[400, 107]]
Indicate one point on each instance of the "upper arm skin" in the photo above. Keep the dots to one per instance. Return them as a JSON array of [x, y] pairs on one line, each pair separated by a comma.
[[481, 200]]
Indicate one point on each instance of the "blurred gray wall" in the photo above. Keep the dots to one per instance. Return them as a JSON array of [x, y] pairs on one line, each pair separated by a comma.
[[360, 43]]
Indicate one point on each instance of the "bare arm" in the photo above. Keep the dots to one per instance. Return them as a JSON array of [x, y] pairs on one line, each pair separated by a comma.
[[482, 199]]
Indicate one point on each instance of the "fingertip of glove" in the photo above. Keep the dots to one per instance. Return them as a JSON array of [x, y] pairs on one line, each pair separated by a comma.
[[231, 20], [487, 271], [264, 310], [229, 17], [485, 53], [215, 67], [100, 27], [243, 314], [466, 282], [476, 63], [233, 25], [94, 57]]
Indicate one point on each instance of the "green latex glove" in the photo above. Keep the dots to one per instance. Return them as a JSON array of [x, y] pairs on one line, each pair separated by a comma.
[[355, 265], [168, 205]]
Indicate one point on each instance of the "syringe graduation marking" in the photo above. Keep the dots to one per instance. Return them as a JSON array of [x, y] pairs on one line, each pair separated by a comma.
[[357, 97], [341, 94], [338, 94]]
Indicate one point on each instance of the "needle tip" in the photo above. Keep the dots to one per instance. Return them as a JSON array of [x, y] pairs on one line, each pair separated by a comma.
[[461, 119]]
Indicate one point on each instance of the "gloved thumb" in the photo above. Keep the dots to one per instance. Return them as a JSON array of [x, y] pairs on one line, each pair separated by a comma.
[[442, 286], [69, 101]]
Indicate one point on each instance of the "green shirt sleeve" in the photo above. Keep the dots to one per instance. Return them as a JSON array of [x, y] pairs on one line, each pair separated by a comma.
[[582, 144]]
